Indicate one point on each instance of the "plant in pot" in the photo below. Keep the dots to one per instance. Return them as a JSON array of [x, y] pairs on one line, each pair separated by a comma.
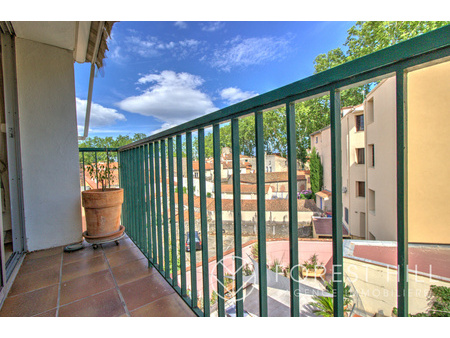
[[102, 206], [312, 267], [323, 306]]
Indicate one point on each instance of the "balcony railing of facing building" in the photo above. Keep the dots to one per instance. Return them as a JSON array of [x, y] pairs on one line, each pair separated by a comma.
[[149, 208], [94, 158]]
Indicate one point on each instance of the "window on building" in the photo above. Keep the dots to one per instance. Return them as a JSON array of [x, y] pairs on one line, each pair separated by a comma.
[[360, 155], [360, 189], [371, 201], [317, 139], [346, 215], [359, 122], [371, 155]]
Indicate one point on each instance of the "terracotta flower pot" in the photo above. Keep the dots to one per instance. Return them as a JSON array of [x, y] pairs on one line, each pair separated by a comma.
[[318, 272], [102, 210]]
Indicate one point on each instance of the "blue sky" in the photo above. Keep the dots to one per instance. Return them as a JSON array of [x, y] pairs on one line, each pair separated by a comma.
[[160, 74]]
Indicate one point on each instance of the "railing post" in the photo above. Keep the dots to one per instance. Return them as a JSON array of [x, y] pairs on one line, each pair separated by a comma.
[[173, 230], [203, 221], [147, 204], [261, 206], [218, 214], [402, 219], [152, 204], [158, 207], [190, 179], [96, 167], [181, 214], [293, 208], [84, 173], [107, 165], [142, 217], [165, 213], [336, 178], [235, 148], [132, 193], [143, 225]]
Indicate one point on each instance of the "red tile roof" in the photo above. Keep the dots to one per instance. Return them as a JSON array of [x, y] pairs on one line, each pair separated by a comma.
[[324, 227], [271, 205], [196, 166], [422, 257], [273, 177], [245, 188], [324, 194]]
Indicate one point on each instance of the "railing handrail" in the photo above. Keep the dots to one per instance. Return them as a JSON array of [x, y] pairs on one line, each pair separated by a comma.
[[398, 60], [316, 84], [84, 150]]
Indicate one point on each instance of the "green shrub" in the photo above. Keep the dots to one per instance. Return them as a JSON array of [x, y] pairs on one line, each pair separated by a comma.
[[439, 303]]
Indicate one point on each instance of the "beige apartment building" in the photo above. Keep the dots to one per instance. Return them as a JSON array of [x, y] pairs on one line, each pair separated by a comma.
[[369, 160], [272, 162], [368, 165]]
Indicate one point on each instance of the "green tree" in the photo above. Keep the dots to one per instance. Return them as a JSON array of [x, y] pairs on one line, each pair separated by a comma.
[[363, 38], [316, 172], [367, 37], [106, 142]]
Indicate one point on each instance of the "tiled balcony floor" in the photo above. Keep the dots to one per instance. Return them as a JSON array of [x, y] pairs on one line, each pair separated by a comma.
[[110, 281]]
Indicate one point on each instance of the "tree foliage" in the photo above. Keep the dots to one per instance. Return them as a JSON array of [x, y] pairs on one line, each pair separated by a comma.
[[105, 142], [363, 38], [316, 172]]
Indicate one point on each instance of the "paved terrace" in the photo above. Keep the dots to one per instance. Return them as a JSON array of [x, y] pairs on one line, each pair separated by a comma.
[[112, 281]]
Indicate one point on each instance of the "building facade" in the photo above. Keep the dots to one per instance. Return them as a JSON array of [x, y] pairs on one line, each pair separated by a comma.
[[368, 140]]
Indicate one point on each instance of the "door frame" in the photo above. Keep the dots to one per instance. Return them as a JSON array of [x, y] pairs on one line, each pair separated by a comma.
[[9, 78]]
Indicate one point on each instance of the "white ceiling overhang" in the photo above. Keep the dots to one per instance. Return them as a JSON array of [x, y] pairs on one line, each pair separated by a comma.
[[70, 35]]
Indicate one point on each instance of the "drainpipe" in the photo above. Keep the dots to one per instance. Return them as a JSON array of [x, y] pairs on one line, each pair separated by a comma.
[[91, 81]]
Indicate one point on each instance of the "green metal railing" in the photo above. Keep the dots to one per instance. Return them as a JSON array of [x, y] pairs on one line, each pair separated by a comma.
[[143, 166], [92, 157]]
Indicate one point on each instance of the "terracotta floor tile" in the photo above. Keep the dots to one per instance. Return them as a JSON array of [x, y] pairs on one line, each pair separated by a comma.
[[145, 290], [124, 257], [130, 272], [44, 253], [85, 286], [105, 304], [124, 244], [30, 303], [34, 280], [51, 313], [83, 267], [168, 306], [42, 263], [87, 253]]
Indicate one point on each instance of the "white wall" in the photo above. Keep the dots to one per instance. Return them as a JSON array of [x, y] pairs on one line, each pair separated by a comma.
[[48, 136], [209, 186]]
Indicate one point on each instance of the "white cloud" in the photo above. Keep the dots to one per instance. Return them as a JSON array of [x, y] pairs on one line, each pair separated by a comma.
[[164, 126], [189, 43], [100, 116], [234, 95], [152, 46], [212, 26], [143, 47], [172, 98], [245, 52], [181, 24]]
